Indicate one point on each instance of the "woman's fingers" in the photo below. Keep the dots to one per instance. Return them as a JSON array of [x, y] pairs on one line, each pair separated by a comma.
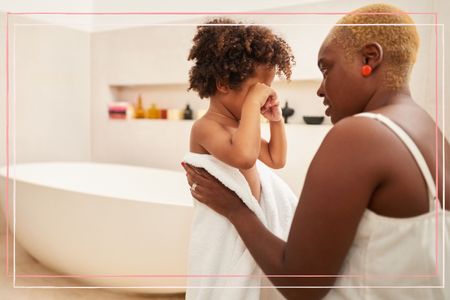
[[198, 176], [199, 191], [192, 178], [199, 179], [205, 174], [196, 193], [200, 171], [188, 168], [191, 175], [189, 179]]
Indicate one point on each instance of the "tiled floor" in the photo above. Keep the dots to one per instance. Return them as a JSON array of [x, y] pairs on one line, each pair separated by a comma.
[[28, 265]]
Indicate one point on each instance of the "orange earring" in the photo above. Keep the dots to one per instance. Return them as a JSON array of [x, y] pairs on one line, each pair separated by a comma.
[[366, 70]]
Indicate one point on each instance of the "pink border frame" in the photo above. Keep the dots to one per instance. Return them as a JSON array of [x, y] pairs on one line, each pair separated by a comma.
[[207, 13]]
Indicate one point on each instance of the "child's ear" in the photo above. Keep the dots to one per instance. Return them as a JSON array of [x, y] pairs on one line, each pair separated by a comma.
[[222, 87]]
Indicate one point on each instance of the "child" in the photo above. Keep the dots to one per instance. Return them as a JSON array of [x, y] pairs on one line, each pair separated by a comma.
[[235, 66]]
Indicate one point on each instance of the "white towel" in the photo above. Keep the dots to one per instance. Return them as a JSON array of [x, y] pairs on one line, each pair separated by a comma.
[[215, 246]]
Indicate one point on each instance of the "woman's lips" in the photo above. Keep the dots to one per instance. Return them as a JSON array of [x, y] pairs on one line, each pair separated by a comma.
[[327, 110]]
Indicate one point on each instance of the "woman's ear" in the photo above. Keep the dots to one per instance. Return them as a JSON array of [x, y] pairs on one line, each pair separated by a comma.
[[222, 87], [372, 54]]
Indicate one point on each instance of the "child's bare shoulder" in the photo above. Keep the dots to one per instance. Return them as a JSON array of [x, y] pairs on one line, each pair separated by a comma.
[[205, 127]]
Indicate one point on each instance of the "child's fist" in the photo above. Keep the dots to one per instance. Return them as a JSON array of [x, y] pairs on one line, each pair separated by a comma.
[[260, 93], [271, 110]]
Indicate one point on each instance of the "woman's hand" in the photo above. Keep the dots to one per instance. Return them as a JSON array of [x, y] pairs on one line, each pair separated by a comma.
[[211, 192]]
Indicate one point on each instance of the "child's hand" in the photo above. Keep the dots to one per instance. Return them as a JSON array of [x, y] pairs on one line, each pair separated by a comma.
[[260, 93], [271, 110]]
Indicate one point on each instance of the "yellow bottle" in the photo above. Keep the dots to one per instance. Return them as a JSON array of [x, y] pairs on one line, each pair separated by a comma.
[[139, 112], [153, 112]]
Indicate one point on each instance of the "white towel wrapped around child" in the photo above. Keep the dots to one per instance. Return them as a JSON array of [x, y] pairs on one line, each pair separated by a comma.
[[216, 252]]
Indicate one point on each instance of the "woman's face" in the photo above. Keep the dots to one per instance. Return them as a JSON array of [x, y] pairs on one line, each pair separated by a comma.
[[343, 88]]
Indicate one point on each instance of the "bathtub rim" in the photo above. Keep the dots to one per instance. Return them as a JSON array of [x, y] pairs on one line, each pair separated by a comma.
[[73, 190]]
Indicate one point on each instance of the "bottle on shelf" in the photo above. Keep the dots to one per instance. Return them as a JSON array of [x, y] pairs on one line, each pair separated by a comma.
[[187, 114], [118, 110], [139, 112], [174, 114], [153, 112], [287, 112], [130, 111], [163, 113]]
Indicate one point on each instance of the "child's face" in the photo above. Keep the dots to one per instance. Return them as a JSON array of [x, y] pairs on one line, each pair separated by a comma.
[[263, 73]]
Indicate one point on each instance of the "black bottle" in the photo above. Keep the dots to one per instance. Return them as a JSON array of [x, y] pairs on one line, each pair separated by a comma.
[[287, 112], [187, 114]]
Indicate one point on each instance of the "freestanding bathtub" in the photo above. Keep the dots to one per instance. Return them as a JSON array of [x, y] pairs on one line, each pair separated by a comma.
[[103, 220]]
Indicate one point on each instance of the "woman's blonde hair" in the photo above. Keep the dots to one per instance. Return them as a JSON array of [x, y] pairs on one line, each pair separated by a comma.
[[400, 43]]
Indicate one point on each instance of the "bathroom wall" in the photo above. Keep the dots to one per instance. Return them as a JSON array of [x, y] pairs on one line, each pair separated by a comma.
[[73, 21], [422, 80], [49, 92], [2, 89], [303, 32], [443, 7], [151, 60], [60, 117]]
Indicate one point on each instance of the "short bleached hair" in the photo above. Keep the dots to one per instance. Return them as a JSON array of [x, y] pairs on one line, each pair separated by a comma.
[[400, 43]]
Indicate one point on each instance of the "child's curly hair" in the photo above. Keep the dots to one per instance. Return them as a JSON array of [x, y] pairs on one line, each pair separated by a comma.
[[229, 52], [400, 42]]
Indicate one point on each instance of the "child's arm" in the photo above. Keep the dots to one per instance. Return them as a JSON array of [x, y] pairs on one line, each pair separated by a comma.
[[240, 149], [273, 153]]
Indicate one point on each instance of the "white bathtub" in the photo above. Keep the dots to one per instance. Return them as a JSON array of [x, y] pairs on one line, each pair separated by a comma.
[[104, 219]]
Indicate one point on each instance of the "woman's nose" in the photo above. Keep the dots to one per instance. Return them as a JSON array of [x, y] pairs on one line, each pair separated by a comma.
[[320, 90]]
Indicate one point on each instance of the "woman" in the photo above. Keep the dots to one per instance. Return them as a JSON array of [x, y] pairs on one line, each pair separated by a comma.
[[366, 215]]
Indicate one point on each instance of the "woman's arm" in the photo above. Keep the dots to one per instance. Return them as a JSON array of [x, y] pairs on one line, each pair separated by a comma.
[[337, 189]]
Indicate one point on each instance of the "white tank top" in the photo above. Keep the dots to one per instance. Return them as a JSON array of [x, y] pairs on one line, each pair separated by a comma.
[[395, 258]]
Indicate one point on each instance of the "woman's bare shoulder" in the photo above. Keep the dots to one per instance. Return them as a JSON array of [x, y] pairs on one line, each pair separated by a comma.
[[358, 143], [357, 130]]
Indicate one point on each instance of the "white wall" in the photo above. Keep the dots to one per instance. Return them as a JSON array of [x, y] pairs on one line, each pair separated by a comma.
[[49, 92], [423, 72], [154, 58], [2, 90], [55, 121], [45, 5], [83, 22], [443, 9]]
